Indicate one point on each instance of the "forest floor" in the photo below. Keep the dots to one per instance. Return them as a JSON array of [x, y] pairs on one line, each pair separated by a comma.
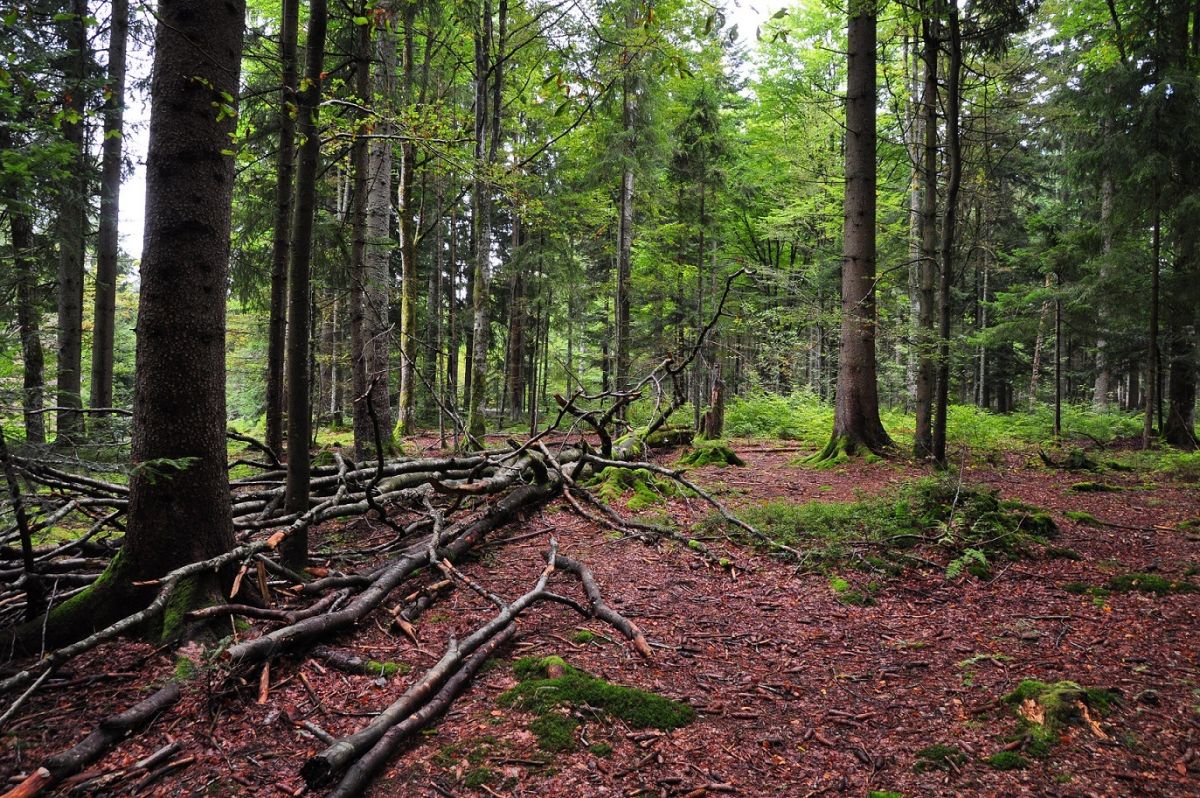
[[796, 693]]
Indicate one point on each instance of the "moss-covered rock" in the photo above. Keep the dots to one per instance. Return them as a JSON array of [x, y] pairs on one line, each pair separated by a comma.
[[1094, 487], [1047, 709]]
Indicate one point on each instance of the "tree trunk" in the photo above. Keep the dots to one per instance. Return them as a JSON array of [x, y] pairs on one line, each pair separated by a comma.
[[1151, 392], [359, 381], [856, 423], [926, 364], [104, 316], [624, 237], [71, 228], [284, 171], [1101, 388], [28, 318], [408, 245], [179, 501], [481, 210], [294, 550], [377, 251], [949, 220]]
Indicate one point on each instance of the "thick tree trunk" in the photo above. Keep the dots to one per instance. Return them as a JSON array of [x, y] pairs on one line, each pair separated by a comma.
[[1103, 372], [923, 341], [1179, 428], [949, 220], [295, 549], [408, 246], [856, 423], [71, 228], [28, 323], [104, 316], [624, 243], [179, 500], [281, 242]]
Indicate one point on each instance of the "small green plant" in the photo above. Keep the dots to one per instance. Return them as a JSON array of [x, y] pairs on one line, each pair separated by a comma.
[[847, 594], [1081, 517], [973, 561], [1007, 760], [939, 757], [477, 777], [585, 636], [884, 794]]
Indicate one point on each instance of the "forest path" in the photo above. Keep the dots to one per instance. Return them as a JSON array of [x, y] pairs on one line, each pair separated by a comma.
[[797, 694]]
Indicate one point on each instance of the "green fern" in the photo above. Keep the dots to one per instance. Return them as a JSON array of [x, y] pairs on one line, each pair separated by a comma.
[[968, 558]]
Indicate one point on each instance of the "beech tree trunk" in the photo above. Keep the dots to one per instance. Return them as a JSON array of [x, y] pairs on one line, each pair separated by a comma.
[[104, 316], [281, 242], [294, 550], [856, 423], [71, 227]]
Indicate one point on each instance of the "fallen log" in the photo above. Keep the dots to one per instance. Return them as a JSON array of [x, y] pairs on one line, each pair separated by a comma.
[[108, 733]]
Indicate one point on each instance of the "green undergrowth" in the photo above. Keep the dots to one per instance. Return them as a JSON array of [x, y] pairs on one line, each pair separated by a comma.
[[612, 483], [1007, 760], [1095, 487], [556, 700], [884, 794], [847, 593], [706, 453], [803, 417], [1081, 517], [1046, 710], [971, 527]]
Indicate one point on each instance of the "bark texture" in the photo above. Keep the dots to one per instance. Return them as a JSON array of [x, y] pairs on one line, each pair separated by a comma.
[[104, 316], [856, 423]]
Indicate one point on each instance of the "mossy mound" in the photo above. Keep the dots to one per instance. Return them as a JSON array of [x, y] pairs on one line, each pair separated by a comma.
[[612, 483], [1081, 517], [1046, 710], [555, 732], [541, 693], [939, 757], [709, 453]]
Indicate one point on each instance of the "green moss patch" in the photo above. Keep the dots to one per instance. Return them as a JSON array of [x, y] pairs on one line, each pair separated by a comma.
[[600, 749], [846, 593], [1007, 760], [612, 484], [542, 694], [1155, 584], [1094, 487], [708, 453], [884, 794], [939, 757], [1081, 517], [555, 732]]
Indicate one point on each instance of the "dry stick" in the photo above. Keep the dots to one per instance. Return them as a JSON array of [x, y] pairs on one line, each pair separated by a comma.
[[303, 632], [35, 597], [716, 504], [600, 609], [110, 731], [320, 768], [363, 770], [266, 614]]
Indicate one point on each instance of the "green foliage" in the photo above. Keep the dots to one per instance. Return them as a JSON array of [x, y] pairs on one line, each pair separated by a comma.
[[1047, 709], [1081, 517], [539, 693], [884, 794], [847, 594], [600, 749], [1155, 584]]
